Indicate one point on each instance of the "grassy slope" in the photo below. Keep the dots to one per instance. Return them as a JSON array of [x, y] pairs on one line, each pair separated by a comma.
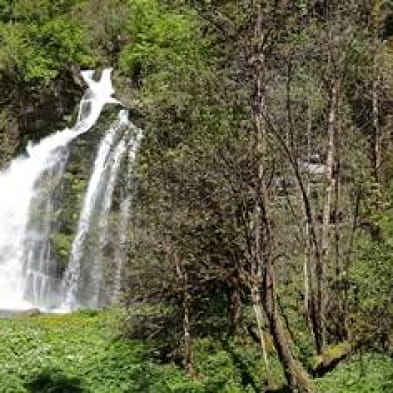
[[81, 353], [74, 353]]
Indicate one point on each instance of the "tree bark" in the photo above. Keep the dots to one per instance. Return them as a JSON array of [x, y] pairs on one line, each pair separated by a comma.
[[262, 259], [308, 294], [376, 129], [376, 20], [321, 265], [258, 311], [188, 348], [186, 305], [235, 307], [295, 374]]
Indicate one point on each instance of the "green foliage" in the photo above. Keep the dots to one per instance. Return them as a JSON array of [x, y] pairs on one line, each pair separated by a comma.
[[371, 278], [188, 69], [41, 40], [40, 10], [82, 352], [62, 245], [173, 61], [332, 355], [80, 347], [367, 373], [160, 38]]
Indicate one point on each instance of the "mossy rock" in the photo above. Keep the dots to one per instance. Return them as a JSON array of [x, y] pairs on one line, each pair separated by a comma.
[[62, 245], [331, 357]]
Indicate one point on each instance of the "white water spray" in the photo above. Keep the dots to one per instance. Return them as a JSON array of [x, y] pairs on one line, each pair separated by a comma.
[[96, 187], [125, 214], [27, 189], [97, 276]]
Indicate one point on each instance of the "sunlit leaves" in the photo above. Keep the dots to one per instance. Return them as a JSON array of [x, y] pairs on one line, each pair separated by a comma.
[[38, 40]]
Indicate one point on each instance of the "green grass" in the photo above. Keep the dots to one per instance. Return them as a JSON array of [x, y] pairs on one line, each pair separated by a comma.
[[83, 353], [364, 373], [69, 353]]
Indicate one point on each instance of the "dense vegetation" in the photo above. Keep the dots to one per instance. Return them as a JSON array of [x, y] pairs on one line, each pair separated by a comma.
[[86, 353], [263, 194]]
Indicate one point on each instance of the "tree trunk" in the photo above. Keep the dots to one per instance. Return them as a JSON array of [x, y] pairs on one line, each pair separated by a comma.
[[235, 307], [296, 376], [377, 133], [257, 307], [186, 305], [339, 292], [262, 263], [321, 265], [307, 235], [188, 348], [376, 21]]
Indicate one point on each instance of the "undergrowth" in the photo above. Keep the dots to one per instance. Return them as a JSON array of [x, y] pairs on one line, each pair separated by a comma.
[[85, 353]]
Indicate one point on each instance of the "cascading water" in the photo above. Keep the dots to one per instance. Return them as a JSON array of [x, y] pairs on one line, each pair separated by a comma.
[[39, 282], [85, 282], [28, 187], [103, 221], [125, 213], [91, 206]]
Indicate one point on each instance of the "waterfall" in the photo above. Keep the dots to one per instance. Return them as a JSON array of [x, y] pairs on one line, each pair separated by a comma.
[[38, 283], [96, 189], [125, 214], [27, 188], [85, 282], [97, 276]]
